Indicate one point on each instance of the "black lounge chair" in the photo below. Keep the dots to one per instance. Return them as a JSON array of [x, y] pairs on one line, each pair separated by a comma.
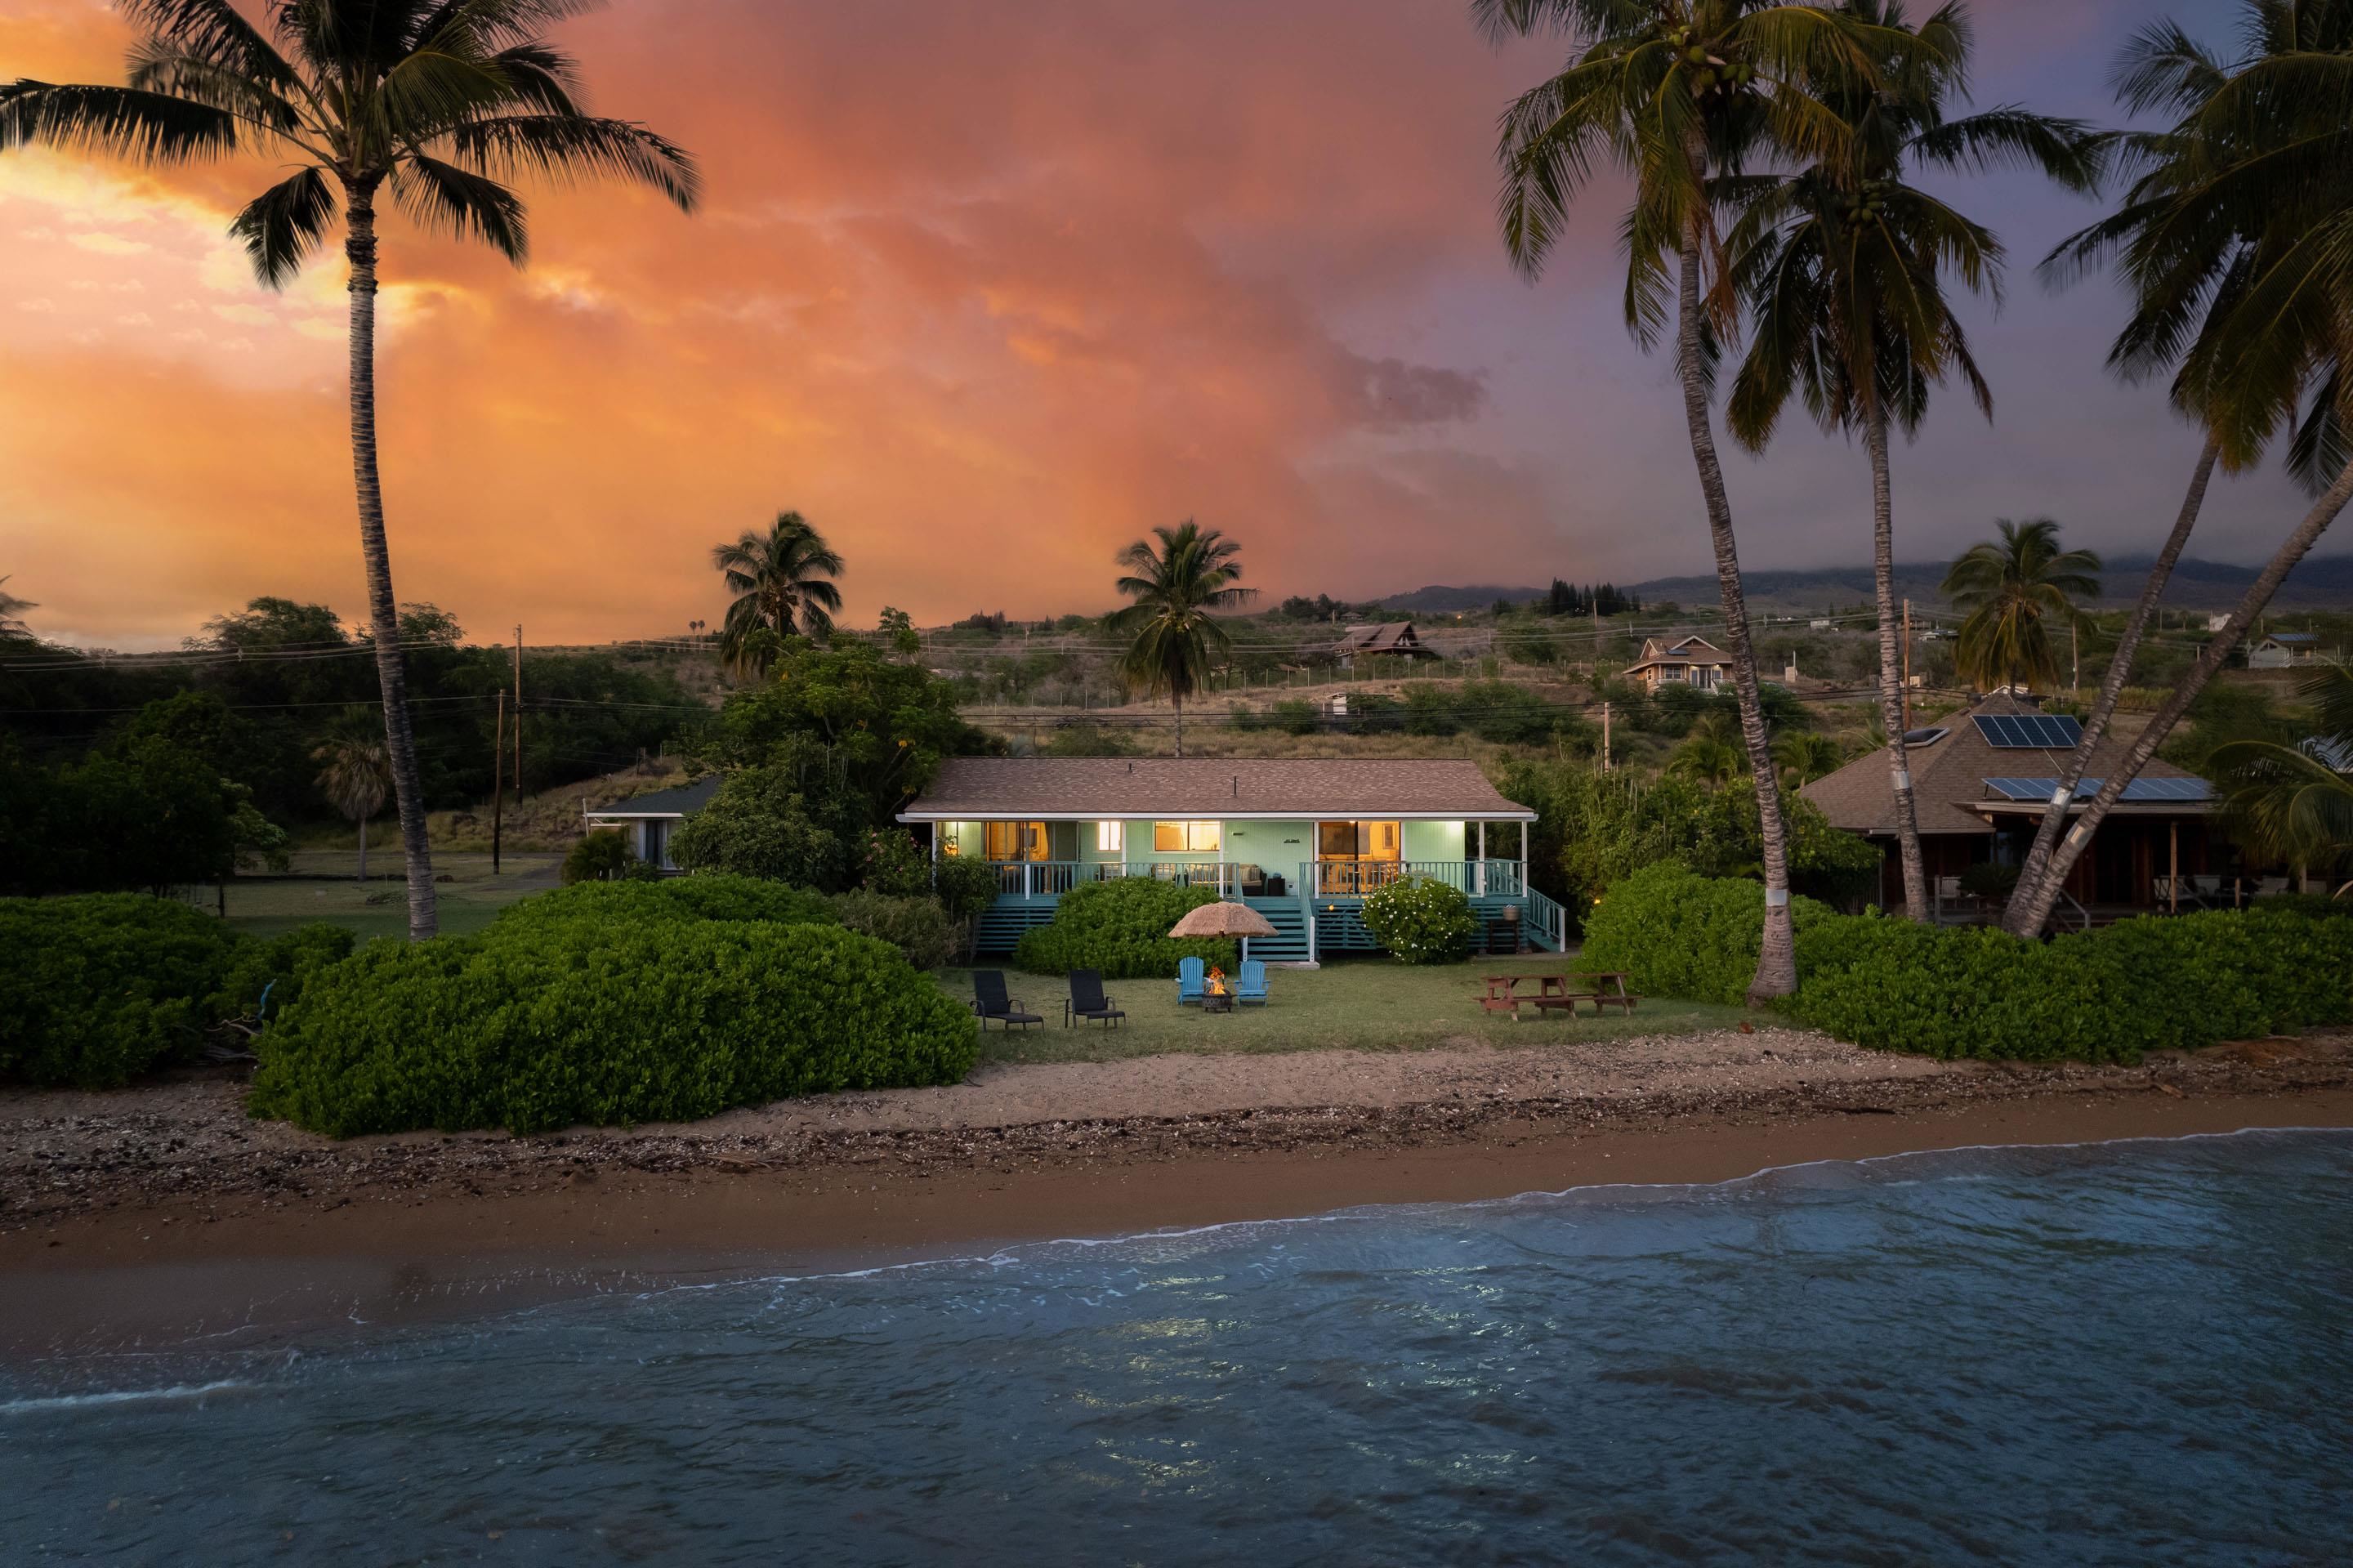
[[989, 1000], [1087, 1000]]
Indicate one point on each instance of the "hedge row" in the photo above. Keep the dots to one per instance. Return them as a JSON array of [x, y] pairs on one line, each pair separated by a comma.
[[2171, 982], [605, 1003], [99, 988], [1122, 928]]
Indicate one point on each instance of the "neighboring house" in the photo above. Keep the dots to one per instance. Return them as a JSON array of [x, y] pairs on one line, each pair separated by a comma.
[[2283, 651], [1392, 638], [1981, 782], [1688, 661], [1299, 841], [651, 820]]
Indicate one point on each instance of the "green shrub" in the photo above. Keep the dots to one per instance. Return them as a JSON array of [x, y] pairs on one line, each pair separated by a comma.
[[1421, 920], [1987, 880], [759, 824], [1122, 928], [966, 887], [2157, 982], [604, 855], [99, 988], [891, 862], [674, 898], [917, 926], [536, 1025], [1296, 715], [1678, 934]]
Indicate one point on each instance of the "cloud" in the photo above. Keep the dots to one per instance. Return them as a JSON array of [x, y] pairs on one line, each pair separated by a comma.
[[986, 292]]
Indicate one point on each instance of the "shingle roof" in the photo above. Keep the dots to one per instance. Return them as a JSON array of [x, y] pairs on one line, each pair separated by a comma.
[[972, 788], [1952, 772], [1389, 636], [681, 801], [1681, 650]]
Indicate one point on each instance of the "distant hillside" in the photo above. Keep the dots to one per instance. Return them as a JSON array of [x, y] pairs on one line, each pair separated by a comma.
[[2321, 582]]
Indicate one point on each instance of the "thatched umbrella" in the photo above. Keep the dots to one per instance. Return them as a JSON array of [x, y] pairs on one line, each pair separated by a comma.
[[1222, 920]]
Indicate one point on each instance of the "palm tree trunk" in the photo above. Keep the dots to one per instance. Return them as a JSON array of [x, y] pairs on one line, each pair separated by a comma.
[[363, 848], [1177, 697], [384, 619], [1891, 668], [2028, 894], [1776, 958], [2030, 919]]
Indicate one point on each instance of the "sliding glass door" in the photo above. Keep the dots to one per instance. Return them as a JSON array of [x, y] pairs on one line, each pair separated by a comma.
[[1352, 858]]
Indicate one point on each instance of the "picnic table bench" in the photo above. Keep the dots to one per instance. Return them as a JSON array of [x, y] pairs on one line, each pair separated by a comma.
[[1556, 993]]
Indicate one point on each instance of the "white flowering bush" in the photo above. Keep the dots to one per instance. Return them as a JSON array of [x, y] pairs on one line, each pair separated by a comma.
[[1421, 920]]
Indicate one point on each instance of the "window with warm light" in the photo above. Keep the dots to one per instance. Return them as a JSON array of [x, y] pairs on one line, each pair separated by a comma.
[[1186, 838], [1110, 838]]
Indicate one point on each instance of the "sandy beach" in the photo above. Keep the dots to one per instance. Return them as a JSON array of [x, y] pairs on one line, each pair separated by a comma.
[[223, 1221]]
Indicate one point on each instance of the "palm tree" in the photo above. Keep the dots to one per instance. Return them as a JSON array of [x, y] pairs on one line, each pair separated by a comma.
[[1178, 590], [1709, 754], [356, 775], [779, 582], [1845, 266], [1804, 756], [2009, 588], [2237, 241], [438, 102], [1672, 92], [2294, 803], [12, 612]]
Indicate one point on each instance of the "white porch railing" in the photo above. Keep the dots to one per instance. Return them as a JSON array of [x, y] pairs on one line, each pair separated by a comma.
[[1355, 878]]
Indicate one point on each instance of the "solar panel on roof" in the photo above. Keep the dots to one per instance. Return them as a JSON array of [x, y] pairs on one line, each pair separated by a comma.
[[2030, 732], [2140, 790]]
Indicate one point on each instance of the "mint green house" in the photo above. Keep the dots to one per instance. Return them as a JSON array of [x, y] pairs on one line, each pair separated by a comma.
[[1299, 841]]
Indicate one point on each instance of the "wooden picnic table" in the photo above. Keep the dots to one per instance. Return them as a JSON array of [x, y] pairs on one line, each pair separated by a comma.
[[1557, 994]]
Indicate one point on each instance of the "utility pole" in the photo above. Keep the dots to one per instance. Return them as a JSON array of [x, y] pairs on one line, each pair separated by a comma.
[[518, 744], [498, 780], [1907, 666], [1604, 737]]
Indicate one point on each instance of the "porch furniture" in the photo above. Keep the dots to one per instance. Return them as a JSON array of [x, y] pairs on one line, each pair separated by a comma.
[[1252, 880], [1607, 989], [989, 1000], [1192, 976], [1250, 985], [1277, 887], [1087, 1000]]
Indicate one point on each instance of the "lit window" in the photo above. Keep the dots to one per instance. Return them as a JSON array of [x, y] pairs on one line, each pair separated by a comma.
[[1184, 838], [1110, 838]]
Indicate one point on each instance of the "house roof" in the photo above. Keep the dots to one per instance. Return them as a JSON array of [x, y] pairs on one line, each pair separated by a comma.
[[1681, 650], [1951, 777], [2297, 636], [683, 801], [1388, 635], [971, 788]]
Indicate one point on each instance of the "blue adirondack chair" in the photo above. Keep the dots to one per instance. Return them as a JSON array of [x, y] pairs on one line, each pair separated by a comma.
[[1192, 981], [1251, 986]]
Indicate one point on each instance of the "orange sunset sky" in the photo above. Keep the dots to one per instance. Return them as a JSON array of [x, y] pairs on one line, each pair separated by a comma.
[[985, 290]]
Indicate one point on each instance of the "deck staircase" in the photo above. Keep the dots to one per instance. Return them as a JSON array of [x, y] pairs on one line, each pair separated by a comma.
[[1289, 943], [1002, 924]]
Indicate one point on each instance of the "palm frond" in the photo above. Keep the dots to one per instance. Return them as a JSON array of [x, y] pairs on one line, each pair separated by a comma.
[[444, 198], [282, 226], [150, 127], [566, 150]]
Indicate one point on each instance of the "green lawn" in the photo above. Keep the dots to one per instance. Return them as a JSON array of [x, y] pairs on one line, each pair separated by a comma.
[[1370, 1005], [378, 907]]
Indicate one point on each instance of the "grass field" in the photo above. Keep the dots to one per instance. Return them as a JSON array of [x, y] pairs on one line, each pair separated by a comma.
[[1371, 1004], [324, 889]]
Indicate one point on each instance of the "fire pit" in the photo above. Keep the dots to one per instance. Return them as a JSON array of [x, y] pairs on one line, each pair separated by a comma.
[[1217, 996]]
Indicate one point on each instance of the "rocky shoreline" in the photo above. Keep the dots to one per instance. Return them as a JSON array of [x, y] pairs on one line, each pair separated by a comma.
[[187, 1146]]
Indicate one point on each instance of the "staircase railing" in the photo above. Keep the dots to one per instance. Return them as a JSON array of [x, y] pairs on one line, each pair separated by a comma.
[[1547, 917]]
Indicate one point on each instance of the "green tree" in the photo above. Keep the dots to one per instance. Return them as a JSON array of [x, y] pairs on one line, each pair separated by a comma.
[[2014, 590], [438, 102], [2236, 243], [2292, 803], [1172, 625], [356, 776], [1847, 269], [1674, 93], [898, 630], [1710, 755], [759, 825], [1804, 756], [780, 580]]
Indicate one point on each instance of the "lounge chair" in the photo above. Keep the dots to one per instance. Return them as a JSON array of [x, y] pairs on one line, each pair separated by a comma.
[[1192, 981], [989, 1000], [1250, 986], [1087, 1000]]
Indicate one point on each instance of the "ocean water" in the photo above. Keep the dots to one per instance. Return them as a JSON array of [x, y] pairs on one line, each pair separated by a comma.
[[2131, 1353]]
